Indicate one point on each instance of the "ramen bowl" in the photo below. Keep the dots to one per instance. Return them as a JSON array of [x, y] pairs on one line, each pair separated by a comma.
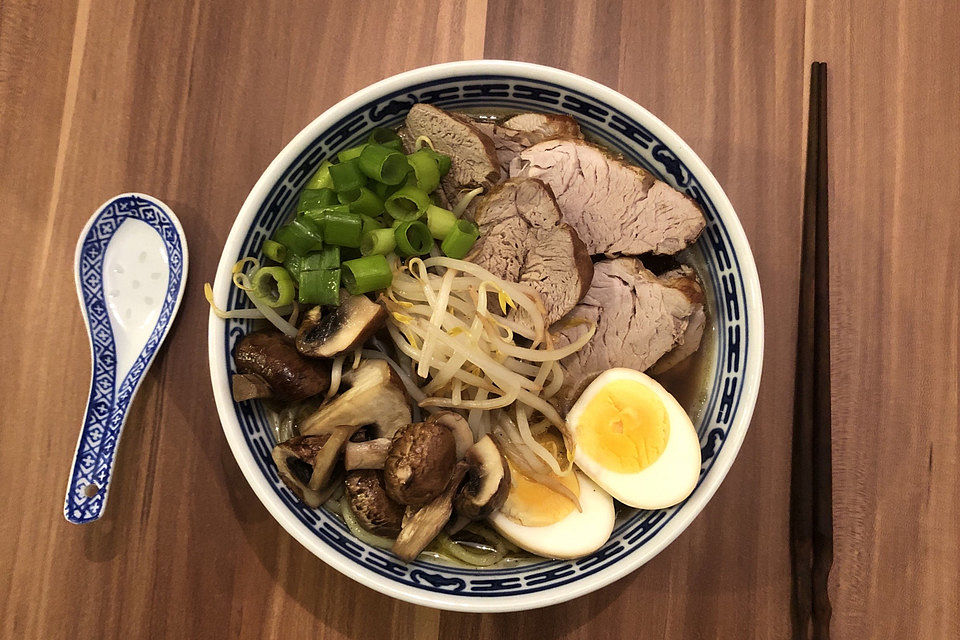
[[723, 257]]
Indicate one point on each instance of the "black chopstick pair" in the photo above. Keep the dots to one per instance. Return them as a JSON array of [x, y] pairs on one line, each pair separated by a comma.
[[811, 485]]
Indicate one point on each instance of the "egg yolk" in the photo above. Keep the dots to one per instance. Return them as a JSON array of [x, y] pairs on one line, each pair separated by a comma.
[[533, 504], [624, 427]]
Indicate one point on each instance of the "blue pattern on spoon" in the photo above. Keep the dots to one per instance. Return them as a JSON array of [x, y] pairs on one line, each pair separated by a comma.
[[131, 266]]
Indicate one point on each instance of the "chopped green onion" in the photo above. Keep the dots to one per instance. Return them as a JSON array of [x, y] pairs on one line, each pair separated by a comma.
[[425, 170], [351, 153], [349, 253], [377, 242], [386, 138], [442, 160], [383, 191], [320, 287], [407, 203], [440, 221], [274, 285], [326, 258], [299, 236], [384, 164], [370, 273], [362, 200], [315, 199], [274, 250], [460, 240], [317, 216], [294, 265], [347, 175], [321, 179], [342, 229], [369, 223], [413, 239]]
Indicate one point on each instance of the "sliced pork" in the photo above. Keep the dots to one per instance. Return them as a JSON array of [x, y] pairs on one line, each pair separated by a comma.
[[523, 240], [525, 130], [639, 318], [615, 207], [473, 157]]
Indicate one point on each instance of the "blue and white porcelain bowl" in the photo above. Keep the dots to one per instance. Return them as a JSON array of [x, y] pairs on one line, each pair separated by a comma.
[[727, 266]]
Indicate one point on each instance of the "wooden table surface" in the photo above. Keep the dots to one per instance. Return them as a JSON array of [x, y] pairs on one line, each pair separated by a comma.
[[190, 100]]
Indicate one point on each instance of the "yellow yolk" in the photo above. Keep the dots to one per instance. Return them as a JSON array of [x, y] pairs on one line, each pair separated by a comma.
[[624, 427], [532, 504]]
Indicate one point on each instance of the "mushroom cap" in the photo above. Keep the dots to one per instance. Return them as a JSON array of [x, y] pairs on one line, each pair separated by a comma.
[[488, 481], [272, 356], [345, 327], [375, 511], [419, 463]]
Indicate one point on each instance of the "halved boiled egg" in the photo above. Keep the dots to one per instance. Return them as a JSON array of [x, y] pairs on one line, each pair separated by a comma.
[[546, 522], [635, 440]]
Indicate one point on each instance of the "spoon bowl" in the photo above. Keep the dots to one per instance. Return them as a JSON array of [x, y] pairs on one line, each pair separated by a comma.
[[130, 269]]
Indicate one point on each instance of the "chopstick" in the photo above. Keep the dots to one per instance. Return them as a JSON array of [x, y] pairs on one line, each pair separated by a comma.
[[811, 504]]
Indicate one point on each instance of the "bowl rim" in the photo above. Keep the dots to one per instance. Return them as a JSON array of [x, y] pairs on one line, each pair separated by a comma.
[[694, 504]]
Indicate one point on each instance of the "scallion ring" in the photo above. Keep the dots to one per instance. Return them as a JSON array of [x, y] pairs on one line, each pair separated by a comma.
[[460, 240], [407, 203], [366, 274], [413, 239], [425, 170], [383, 164], [274, 286], [377, 242]]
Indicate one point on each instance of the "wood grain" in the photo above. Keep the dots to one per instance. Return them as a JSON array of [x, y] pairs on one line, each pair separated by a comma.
[[191, 100], [895, 192]]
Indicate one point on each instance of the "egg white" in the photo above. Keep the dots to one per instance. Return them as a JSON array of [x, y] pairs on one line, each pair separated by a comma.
[[580, 533], [671, 478]]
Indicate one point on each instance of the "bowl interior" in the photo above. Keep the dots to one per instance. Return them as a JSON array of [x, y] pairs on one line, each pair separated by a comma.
[[724, 416]]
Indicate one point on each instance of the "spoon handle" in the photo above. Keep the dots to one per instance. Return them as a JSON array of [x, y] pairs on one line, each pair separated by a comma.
[[97, 446]]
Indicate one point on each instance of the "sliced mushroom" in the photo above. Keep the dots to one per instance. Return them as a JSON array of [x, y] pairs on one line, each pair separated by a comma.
[[376, 397], [328, 456], [419, 463], [371, 454], [344, 328], [488, 481], [460, 428], [375, 510], [295, 463], [249, 386], [423, 525], [271, 356]]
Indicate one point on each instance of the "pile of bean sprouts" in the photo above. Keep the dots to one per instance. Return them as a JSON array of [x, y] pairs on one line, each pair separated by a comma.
[[501, 368]]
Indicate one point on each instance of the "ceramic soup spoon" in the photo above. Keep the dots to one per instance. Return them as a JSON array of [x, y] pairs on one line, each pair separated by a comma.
[[131, 268]]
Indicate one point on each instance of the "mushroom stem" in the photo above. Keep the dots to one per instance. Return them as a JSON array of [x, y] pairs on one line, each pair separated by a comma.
[[366, 455], [327, 456], [424, 524]]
